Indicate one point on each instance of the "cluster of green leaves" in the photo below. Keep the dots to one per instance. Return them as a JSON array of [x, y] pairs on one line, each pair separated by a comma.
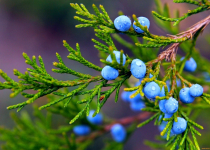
[[102, 24], [37, 78], [41, 133], [202, 6]]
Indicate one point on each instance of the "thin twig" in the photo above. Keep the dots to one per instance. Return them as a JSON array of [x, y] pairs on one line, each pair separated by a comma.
[[106, 128], [170, 52]]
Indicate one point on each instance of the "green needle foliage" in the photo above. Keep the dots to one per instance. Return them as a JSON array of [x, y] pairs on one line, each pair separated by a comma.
[[75, 105], [41, 133]]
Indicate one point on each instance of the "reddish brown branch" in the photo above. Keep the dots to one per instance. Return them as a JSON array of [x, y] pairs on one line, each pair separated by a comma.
[[106, 128], [170, 53]]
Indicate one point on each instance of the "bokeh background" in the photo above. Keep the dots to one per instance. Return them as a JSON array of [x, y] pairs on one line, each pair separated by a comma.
[[38, 27]]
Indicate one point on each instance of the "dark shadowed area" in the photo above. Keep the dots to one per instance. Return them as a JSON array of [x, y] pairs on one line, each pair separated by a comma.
[[38, 28]]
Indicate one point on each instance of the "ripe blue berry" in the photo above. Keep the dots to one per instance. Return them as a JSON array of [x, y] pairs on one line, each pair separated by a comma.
[[190, 65], [162, 106], [151, 90], [166, 115], [196, 90], [81, 130], [126, 96], [185, 97], [117, 56], [122, 23], [95, 120], [118, 133], [144, 22], [109, 73], [171, 105], [138, 68], [180, 126], [137, 106]]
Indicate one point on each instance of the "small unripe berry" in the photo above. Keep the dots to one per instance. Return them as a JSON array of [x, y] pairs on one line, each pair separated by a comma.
[[171, 105], [95, 120], [81, 130], [180, 126], [151, 90], [190, 65], [122, 23], [109, 73], [118, 133], [138, 68], [117, 56], [196, 90], [144, 22], [185, 96]]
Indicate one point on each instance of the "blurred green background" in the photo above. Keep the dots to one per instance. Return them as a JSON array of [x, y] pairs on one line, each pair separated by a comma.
[[38, 27]]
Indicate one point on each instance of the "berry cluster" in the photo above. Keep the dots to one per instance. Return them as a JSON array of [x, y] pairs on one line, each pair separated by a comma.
[[151, 89], [187, 95], [138, 70], [178, 127], [169, 107], [118, 132], [123, 23], [110, 73]]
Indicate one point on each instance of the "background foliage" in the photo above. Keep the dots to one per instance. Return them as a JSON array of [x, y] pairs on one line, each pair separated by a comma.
[[168, 30]]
